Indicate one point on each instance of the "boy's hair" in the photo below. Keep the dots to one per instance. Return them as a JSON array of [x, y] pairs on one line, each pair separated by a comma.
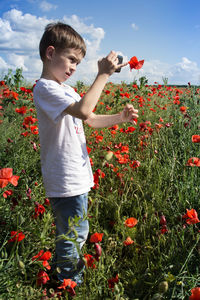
[[61, 36]]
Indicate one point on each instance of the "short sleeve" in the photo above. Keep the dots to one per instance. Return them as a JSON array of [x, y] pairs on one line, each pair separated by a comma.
[[52, 98]]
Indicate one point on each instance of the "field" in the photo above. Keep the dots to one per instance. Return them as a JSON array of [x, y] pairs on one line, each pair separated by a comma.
[[143, 208]]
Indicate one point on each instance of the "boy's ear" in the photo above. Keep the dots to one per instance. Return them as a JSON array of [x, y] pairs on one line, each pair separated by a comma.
[[49, 52]]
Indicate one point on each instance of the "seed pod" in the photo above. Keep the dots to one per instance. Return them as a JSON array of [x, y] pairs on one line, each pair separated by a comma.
[[109, 155], [163, 287], [21, 264]]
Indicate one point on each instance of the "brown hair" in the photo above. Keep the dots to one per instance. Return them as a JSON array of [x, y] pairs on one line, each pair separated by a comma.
[[61, 36]]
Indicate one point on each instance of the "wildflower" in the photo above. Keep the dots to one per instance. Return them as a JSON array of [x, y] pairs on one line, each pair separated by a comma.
[[44, 257], [195, 294], [196, 138], [42, 277], [90, 261], [191, 217], [135, 64], [7, 193], [96, 237], [128, 241], [112, 281], [134, 164], [39, 210], [183, 109], [193, 162], [16, 236], [70, 285], [6, 176], [22, 110], [130, 222]]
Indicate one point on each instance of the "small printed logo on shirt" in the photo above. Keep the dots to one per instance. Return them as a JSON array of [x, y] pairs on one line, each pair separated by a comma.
[[79, 129]]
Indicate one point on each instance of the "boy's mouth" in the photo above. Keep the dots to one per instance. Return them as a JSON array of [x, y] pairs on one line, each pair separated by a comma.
[[68, 74]]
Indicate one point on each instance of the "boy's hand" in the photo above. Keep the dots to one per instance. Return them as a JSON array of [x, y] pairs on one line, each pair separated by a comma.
[[129, 114], [109, 64]]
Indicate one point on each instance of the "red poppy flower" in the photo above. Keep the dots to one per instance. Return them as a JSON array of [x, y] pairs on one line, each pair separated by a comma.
[[135, 64], [191, 217], [16, 236], [195, 294], [183, 109], [90, 261], [128, 241], [22, 110], [42, 255], [112, 281], [70, 285], [67, 283], [193, 162], [7, 193], [96, 237], [130, 222], [42, 277], [6, 176], [196, 138]]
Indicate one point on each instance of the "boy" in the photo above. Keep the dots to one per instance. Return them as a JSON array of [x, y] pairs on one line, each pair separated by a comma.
[[65, 164]]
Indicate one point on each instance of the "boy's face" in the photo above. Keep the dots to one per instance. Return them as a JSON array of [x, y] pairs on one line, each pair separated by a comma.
[[62, 64]]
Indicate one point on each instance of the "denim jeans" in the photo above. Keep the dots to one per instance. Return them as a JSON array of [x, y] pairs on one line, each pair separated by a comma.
[[67, 257]]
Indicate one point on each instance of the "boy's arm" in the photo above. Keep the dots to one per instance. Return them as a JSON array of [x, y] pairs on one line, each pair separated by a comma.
[[127, 115], [85, 106]]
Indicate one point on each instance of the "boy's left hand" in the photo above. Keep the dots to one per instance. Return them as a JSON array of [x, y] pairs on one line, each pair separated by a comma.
[[129, 114]]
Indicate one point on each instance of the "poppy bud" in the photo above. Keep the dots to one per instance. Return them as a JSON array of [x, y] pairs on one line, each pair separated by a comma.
[[163, 287], [163, 220], [109, 155], [98, 251], [21, 264]]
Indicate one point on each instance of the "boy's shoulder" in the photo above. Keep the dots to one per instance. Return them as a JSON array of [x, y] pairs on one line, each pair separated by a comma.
[[47, 86]]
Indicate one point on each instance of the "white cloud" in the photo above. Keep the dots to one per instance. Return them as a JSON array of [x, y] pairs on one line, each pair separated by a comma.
[[134, 26], [46, 6]]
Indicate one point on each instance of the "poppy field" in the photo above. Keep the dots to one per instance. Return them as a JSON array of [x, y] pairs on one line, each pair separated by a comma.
[[144, 240]]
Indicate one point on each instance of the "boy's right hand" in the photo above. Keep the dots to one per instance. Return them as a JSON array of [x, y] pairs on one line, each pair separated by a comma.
[[109, 64]]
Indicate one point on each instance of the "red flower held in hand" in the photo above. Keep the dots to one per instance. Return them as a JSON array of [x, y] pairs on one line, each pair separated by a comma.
[[6, 176], [16, 236], [96, 237], [135, 64], [195, 294], [191, 216], [130, 222]]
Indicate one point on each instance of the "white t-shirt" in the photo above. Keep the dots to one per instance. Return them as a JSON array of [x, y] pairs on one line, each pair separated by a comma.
[[65, 163]]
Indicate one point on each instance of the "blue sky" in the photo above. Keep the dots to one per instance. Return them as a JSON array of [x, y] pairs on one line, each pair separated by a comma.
[[166, 34]]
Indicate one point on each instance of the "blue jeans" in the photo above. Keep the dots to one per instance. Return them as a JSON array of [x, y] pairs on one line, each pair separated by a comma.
[[67, 257]]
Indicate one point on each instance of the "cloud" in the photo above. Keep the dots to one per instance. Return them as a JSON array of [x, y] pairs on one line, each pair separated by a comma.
[[134, 26], [46, 6], [19, 41]]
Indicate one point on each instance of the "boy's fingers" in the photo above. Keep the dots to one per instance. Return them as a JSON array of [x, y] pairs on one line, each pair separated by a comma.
[[122, 65]]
